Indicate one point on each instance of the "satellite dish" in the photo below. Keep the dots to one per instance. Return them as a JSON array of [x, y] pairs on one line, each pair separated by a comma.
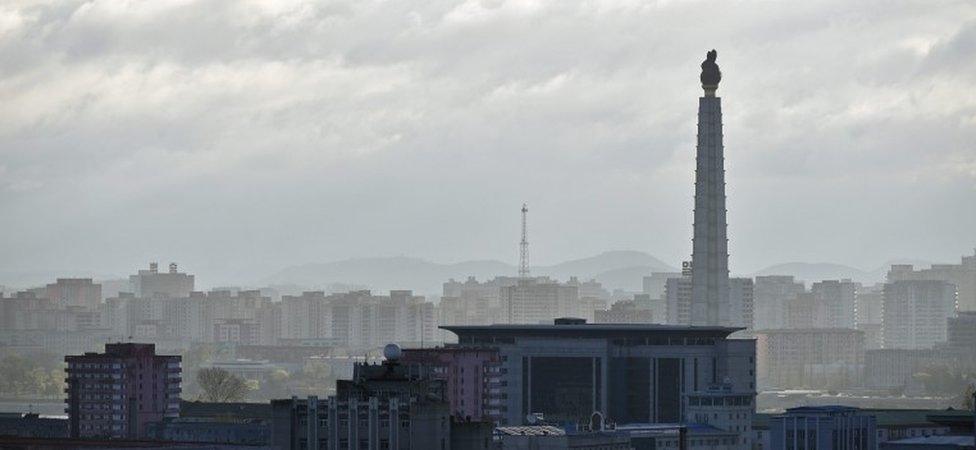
[[531, 419], [392, 352]]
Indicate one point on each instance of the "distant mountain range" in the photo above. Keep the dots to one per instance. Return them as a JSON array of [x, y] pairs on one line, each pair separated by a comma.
[[616, 269]]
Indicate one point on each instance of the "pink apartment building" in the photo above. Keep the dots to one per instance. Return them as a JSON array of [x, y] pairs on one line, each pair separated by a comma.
[[116, 393]]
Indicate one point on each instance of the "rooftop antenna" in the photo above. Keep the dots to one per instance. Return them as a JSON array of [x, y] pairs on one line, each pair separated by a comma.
[[524, 246]]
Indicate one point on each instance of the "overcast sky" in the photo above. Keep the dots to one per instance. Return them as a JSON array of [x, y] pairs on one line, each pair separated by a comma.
[[239, 137]]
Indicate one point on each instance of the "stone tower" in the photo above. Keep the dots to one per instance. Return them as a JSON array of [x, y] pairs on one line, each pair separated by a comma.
[[710, 255]]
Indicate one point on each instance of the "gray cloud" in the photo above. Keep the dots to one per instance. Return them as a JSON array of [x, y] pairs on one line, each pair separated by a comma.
[[238, 137]]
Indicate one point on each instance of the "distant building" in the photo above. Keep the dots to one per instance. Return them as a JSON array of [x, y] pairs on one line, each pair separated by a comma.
[[962, 275], [677, 295], [741, 303], [823, 428], [153, 283], [75, 292], [118, 392], [475, 303], [771, 296], [540, 300], [809, 358], [654, 286], [916, 313], [839, 298], [805, 311], [624, 312], [868, 315], [961, 332], [359, 319]]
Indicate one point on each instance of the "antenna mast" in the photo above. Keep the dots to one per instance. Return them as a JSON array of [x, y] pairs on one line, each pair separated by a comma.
[[524, 246]]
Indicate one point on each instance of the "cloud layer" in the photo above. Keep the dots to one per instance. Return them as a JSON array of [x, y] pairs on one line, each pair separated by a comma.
[[239, 137]]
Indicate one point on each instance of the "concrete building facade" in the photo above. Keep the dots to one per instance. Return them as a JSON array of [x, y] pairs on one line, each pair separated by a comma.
[[118, 392], [627, 373]]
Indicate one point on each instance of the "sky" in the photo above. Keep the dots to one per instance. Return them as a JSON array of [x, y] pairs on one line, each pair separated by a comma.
[[238, 137]]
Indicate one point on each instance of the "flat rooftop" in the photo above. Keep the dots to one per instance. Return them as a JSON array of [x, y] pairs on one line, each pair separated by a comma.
[[591, 330]]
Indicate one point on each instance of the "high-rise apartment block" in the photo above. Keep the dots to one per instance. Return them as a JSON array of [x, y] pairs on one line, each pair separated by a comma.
[[540, 300], [118, 392], [74, 292], [839, 299], [772, 295], [153, 283], [962, 275], [655, 287], [811, 357], [678, 296], [916, 313], [358, 319]]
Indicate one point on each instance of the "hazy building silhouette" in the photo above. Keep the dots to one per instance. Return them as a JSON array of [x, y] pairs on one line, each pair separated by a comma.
[[654, 287], [678, 296], [741, 302], [153, 283], [839, 298], [772, 295], [540, 300], [624, 311], [962, 275], [75, 292], [868, 314], [809, 358], [916, 313]]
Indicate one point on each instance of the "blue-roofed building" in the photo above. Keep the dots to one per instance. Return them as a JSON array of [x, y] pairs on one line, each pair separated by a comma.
[[823, 428], [931, 443]]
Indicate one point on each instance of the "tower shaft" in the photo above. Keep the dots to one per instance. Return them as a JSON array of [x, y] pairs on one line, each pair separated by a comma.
[[710, 257], [524, 246]]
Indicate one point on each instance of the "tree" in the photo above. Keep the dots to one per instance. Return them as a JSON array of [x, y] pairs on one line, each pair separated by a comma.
[[221, 386], [967, 397]]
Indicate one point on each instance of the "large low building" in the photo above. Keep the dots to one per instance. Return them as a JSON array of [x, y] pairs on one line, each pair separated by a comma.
[[823, 428], [809, 358], [629, 373]]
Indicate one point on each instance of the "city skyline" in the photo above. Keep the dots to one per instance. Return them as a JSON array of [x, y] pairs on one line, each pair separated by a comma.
[[249, 153]]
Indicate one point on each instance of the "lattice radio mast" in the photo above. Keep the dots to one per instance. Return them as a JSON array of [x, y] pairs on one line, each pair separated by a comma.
[[524, 246]]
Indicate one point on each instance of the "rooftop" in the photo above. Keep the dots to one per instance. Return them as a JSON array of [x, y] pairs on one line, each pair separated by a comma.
[[530, 430], [591, 329], [961, 441]]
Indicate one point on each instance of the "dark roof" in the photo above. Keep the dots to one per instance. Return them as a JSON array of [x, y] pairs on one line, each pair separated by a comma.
[[212, 409], [892, 417], [591, 329]]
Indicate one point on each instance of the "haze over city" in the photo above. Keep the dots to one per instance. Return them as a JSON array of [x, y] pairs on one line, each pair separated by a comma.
[[290, 133], [488, 225]]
